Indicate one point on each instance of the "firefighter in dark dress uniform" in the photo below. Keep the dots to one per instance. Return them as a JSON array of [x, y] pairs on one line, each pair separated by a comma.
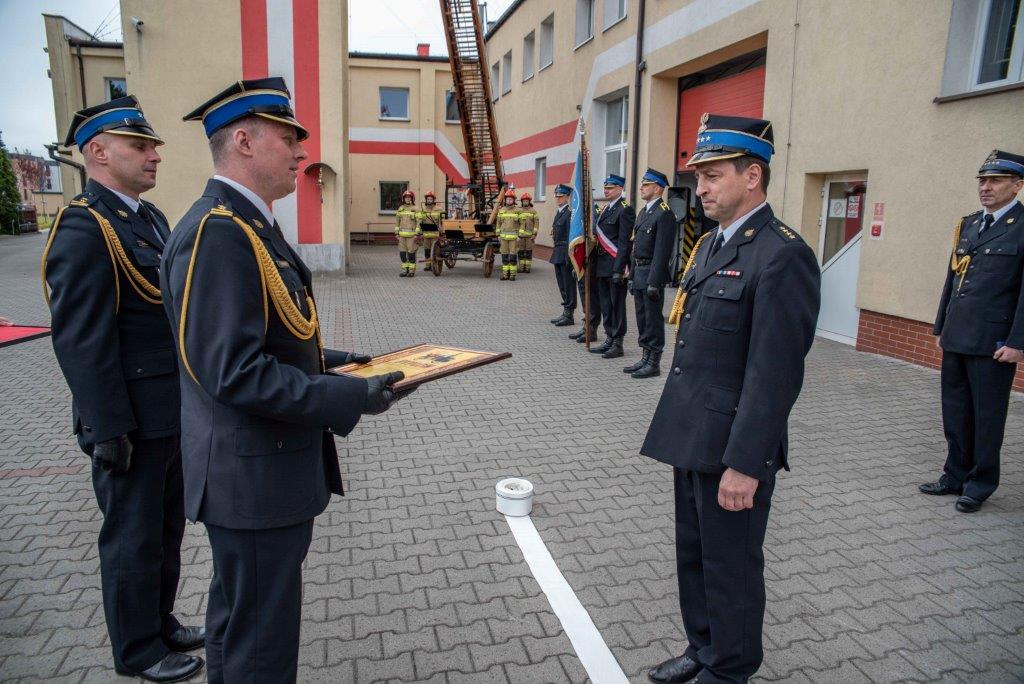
[[259, 414], [746, 310], [654, 238], [609, 259], [564, 276], [981, 327], [115, 348]]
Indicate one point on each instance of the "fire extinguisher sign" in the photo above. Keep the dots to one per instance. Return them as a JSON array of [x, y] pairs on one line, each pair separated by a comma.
[[877, 221]]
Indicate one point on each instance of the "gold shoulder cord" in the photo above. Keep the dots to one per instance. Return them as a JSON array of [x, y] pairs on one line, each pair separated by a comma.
[[959, 266], [271, 285], [676, 313]]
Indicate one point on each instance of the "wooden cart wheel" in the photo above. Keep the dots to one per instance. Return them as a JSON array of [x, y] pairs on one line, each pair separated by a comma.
[[488, 259], [435, 258]]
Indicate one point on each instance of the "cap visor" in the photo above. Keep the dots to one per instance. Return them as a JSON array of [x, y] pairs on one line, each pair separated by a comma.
[[303, 133], [134, 134]]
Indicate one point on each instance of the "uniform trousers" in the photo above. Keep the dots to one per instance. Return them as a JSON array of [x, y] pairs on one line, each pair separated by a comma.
[[566, 279], [613, 307], [140, 550], [975, 401], [594, 303], [720, 569], [255, 605], [650, 320]]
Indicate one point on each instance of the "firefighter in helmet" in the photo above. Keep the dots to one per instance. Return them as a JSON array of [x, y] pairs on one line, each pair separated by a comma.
[[528, 220], [508, 234], [407, 230], [430, 224]]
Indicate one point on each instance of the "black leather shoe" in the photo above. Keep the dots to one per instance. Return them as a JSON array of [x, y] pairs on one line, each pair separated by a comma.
[[651, 369], [583, 338], [174, 667], [578, 335], [603, 347], [967, 504], [614, 351], [557, 318], [681, 669], [566, 319], [939, 488], [186, 639], [633, 367]]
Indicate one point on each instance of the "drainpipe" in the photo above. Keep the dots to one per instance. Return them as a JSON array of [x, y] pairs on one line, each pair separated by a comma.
[[81, 75], [641, 66]]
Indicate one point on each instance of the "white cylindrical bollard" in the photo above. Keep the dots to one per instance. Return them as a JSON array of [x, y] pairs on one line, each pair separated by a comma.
[[514, 496]]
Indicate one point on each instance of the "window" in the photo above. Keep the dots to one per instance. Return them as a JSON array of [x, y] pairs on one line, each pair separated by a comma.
[[984, 48], [506, 75], [391, 195], [528, 43], [547, 41], [394, 103], [451, 107], [494, 81], [116, 87], [614, 12], [584, 21], [616, 116], [540, 176], [1000, 43]]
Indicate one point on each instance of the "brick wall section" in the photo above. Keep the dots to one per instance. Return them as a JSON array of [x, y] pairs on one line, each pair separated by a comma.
[[906, 339]]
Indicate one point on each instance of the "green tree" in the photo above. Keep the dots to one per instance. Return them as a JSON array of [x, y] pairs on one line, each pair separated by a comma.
[[8, 193]]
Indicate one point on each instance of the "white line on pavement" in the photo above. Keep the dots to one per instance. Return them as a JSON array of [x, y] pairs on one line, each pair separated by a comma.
[[597, 659]]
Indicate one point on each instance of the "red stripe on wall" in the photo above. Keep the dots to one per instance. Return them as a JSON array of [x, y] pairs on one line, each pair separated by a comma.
[[559, 173], [426, 149], [254, 38], [306, 42], [552, 137], [739, 95]]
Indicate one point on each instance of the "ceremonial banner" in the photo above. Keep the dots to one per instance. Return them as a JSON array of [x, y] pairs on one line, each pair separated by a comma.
[[578, 202], [421, 363]]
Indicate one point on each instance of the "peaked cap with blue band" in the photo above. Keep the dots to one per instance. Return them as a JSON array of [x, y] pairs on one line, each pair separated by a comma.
[[267, 98], [616, 180], [728, 137], [122, 116], [1001, 163], [562, 189], [656, 177]]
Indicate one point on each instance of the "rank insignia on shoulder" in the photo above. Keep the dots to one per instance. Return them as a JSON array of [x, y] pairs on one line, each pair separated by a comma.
[[625, 203], [664, 206], [729, 274], [257, 223], [961, 251], [122, 213]]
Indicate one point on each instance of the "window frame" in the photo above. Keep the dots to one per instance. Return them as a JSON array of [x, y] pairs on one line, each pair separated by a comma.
[[540, 179], [623, 146], [529, 52], [450, 93], [506, 73], [590, 31], [496, 81], [1015, 69], [108, 80], [605, 25], [547, 26], [381, 211], [380, 92]]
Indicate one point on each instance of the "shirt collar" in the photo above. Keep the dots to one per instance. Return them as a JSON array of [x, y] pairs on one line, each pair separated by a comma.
[[738, 223], [132, 204], [563, 207], [249, 195], [651, 203], [999, 213]]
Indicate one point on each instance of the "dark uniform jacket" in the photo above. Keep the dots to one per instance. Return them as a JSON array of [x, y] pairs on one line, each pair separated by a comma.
[[986, 311], [654, 236], [257, 418], [560, 236], [738, 366], [616, 222], [115, 349]]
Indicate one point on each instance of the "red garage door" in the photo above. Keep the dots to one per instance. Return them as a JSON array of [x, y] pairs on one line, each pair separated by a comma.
[[738, 95]]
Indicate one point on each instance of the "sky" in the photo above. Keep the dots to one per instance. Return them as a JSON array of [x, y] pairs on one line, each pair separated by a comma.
[[27, 119]]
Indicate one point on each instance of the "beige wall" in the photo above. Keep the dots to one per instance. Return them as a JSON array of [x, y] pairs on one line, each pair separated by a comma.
[[427, 81], [839, 102], [98, 63]]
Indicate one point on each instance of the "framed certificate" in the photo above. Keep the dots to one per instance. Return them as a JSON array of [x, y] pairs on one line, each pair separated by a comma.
[[421, 363]]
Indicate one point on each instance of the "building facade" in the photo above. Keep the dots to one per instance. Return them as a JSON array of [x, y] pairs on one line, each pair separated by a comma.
[[404, 134], [876, 150], [39, 184]]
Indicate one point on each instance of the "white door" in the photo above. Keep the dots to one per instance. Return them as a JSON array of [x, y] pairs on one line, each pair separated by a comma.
[[842, 221]]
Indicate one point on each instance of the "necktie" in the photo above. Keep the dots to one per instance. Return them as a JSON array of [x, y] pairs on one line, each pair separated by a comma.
[[715, 246], [144, 214], [989, 220]]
